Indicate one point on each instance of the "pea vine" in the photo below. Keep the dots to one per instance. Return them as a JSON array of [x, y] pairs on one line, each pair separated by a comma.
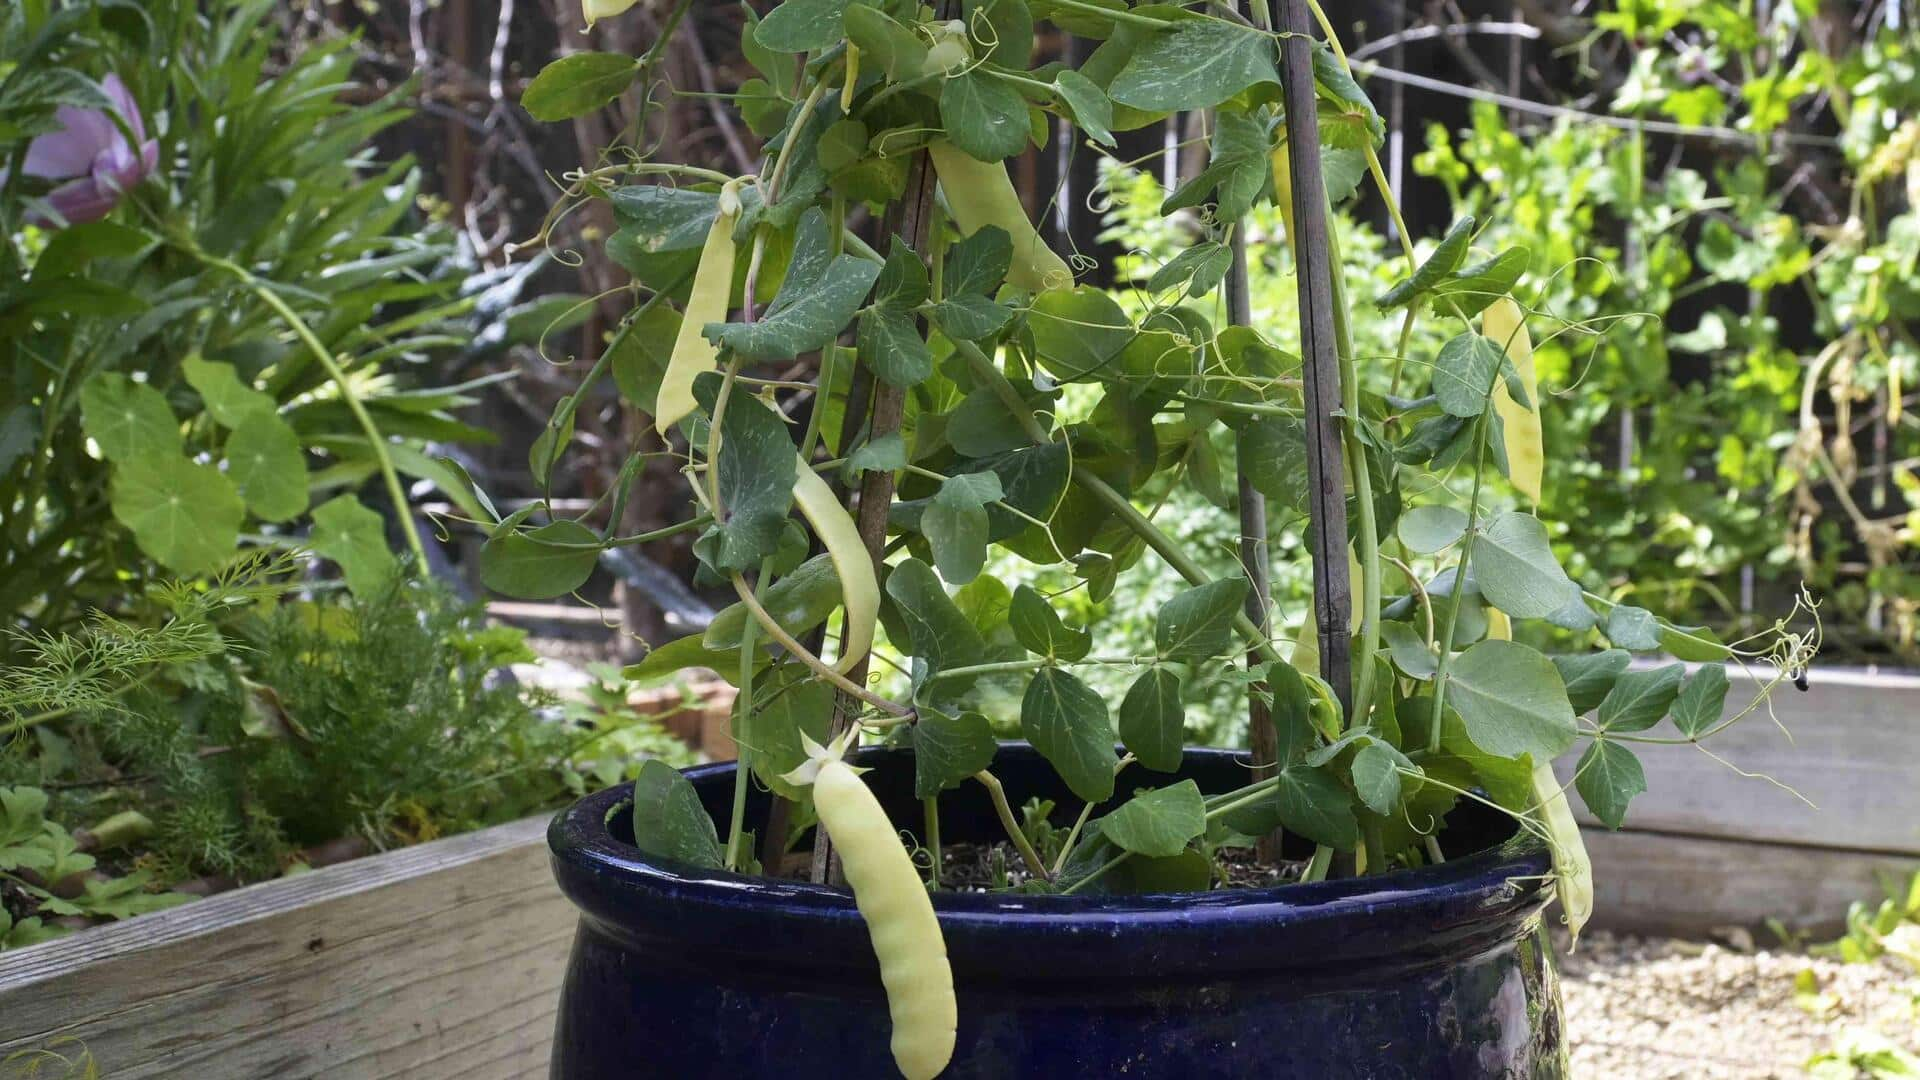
[[968, 397]]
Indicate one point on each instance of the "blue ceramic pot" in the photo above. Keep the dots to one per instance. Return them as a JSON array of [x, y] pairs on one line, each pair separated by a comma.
[[1434, 973]]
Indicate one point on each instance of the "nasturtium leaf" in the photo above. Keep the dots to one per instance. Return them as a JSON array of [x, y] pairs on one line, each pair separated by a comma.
[[1633, 628], [355, 539], [1445, 257], [1464, 374], [756, 472], [265, 463], [1153, 719], [790, 704], [668, 820], [1087, 105], [1410, 651], [225, 396], [795, 26], [1514, 565], [819, 309], [538, 564], [1067, 722], [1472, 288], [1702, 701], [1639, 699], [1198, 623], [941, 636], [1038, 628], [1158, 823], [1195, 64], [892, 348], [1273, 455], [1511, 700], [1376, 776], [130, 420], [1589, 677], [948, 749], [1608, 777], [184, 514], [955, 524], [983, 115], [577, 84], [799, 601], [1425, 530], [1078, 332]]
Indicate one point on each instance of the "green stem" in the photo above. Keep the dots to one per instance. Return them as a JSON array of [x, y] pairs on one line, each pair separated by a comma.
[[375, 439], [1458, 593], [742, 708], [1362, 469], [1317, 868], [932, 809], [999, 794]]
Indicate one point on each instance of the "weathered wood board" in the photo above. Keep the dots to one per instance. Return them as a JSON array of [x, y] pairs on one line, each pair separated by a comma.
[[442, 960]]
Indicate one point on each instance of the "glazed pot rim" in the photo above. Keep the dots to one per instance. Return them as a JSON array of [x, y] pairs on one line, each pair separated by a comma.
[[615, 883]]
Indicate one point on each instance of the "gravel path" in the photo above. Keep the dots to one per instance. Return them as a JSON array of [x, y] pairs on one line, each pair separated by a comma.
[[1660, 1009]]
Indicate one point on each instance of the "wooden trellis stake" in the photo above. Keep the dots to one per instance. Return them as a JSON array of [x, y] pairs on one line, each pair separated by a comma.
[[1320, 373]]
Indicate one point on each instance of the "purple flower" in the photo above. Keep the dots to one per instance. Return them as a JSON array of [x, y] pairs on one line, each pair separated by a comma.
[[90, 158]]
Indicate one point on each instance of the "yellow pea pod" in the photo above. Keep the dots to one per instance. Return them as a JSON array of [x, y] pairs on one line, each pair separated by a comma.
[[859, 588], [1506, 325], [595, 10], [707, 303], [893, 901], [1572, 870], [1282, 162], [980, 194]]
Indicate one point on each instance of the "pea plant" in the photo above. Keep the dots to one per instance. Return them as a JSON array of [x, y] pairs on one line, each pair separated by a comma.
[[873, 321]]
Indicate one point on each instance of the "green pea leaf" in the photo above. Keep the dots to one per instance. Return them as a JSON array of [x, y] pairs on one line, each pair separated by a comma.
[[885, 44], [815, 311], [941, 635], [1589, 677], [955, 524], [1273, 454], [355, 538], [1037, 627], [756, 472], [983, 115], [129, 420], [1698, 644], [1158, 823], [1514, 565], [1445, 258], [1464, 372], [902, 285], [1472, 288], [787, 705], [1196, 270], [892, 348], [796, 26], [1702, 701], [1377, 776], [1195, 64], [1078, 332], [668, 820], [542, 563], [1425, 530], [265, 462], [884, 454], [1305, 800], [949, 749], [688, 652], [1237, 171], [1640, 698], [1608, 777], [640, 352], [978, 264], [1087, 105], [1198, 623], [801, 600], [1153, 719], [1633, 628], [1410, 651], [183, 514], [1067, 722], [969, 317], [1511, 700], [577, 84]]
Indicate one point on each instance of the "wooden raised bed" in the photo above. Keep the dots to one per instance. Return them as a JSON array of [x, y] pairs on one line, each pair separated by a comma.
[[1707, 848]]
